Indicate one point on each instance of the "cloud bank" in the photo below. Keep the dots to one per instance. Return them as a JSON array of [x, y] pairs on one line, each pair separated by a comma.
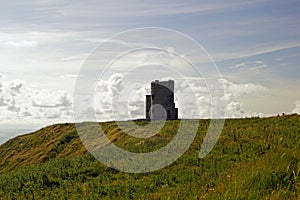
[[19, 101]]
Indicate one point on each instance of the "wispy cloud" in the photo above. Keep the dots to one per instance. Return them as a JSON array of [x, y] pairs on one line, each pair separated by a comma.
[[22, 44], [255, 51], [136, 8], [69, 76], [256, 65]]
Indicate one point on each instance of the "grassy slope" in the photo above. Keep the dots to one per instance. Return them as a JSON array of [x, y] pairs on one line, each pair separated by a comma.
[[254, 159], [50, 142]]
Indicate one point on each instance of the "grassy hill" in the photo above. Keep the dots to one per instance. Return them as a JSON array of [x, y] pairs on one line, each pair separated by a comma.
[[255, 158]]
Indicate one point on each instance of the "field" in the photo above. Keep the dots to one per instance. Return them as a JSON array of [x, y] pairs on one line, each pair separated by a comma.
[[255, 158]]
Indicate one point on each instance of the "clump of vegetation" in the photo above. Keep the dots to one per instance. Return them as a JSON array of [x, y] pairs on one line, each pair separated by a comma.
[[255, 158]]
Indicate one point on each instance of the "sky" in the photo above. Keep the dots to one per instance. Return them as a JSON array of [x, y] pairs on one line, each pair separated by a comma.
[[45, 43]]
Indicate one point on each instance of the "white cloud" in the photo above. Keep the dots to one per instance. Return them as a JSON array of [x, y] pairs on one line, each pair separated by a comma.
[[237, 110], [46, 99], [239, 65], [260, 49], [29, 39], [19, 101], [2, 75], [14, 86], [127, 99], [259, 62], [251, 65], [136, 101], [192, 97], [22, 43], [234, 110], [69, 76], [234, 90], [107, 91], [297, 107], [112, 85], [118, 98]]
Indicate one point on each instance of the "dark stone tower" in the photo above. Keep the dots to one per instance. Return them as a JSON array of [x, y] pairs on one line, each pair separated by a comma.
[[160, 104]]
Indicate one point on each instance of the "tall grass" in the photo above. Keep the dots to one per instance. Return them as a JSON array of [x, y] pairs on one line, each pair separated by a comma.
[[253, 159]]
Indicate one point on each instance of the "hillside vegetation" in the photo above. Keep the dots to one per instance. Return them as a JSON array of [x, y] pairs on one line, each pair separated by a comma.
[[255, 158]]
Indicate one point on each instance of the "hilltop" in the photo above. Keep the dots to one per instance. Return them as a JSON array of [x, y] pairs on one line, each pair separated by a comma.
[[255, 158]]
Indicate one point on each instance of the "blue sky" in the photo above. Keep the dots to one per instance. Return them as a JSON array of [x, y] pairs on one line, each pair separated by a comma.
[[43, 44]]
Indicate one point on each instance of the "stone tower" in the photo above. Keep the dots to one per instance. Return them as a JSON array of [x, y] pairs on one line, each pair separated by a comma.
[[160, 104]]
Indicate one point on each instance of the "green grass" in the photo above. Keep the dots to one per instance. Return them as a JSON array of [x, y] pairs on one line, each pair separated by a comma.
[[253, 159]]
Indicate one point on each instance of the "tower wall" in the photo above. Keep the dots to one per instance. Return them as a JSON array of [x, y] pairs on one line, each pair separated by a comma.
[[160, 104]]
